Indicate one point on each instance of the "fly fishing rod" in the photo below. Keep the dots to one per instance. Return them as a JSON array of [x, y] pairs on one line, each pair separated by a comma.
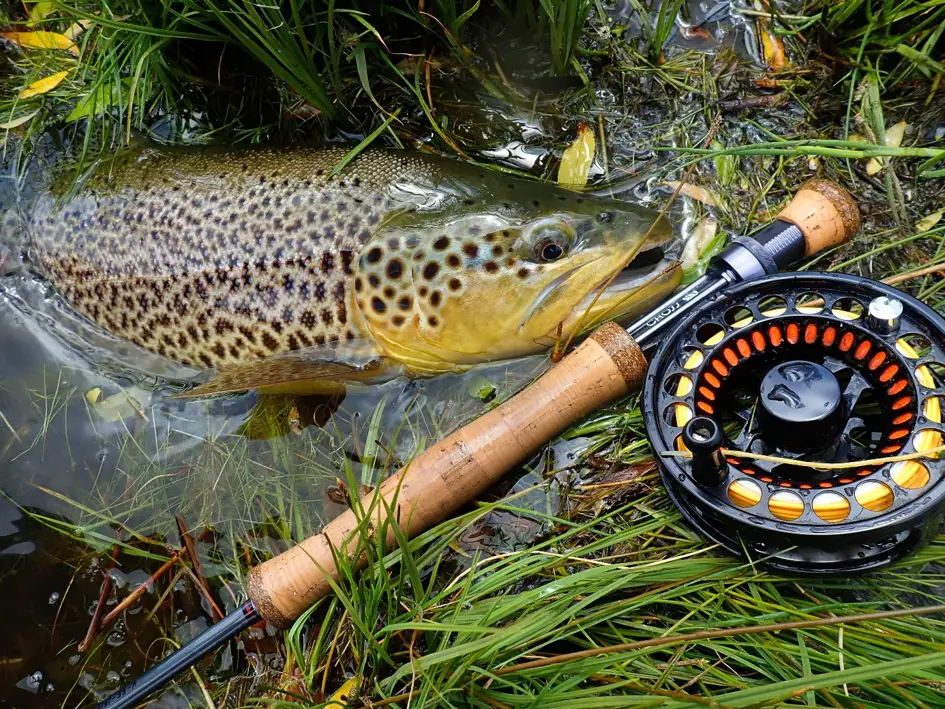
[[449, 474]]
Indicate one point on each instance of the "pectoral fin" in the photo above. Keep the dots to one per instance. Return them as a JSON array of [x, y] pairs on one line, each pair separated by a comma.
[[301, 372]]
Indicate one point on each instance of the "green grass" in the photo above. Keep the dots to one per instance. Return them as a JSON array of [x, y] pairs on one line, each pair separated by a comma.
[[564, 560]]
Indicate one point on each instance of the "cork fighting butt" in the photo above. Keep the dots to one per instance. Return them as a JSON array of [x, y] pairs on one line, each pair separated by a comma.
[[454, 471], [825, 213]]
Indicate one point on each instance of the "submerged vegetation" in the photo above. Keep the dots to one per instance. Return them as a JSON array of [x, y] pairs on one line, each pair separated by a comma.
[[580, 558]]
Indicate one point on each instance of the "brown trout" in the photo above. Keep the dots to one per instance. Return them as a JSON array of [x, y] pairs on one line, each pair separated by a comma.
[[266, 266]]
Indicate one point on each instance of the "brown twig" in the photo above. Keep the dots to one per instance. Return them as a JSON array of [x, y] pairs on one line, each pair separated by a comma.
[[196, 574], [918, 273], [103, 593], [152, 579]]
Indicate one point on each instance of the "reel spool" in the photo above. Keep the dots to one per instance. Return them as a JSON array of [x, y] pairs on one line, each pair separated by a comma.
[[804, 367]]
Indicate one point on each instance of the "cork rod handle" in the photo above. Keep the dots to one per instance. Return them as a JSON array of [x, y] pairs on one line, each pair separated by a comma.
[[456, 470]]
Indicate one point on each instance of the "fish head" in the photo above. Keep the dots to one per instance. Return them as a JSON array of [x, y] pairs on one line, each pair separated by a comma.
[[494, 282]]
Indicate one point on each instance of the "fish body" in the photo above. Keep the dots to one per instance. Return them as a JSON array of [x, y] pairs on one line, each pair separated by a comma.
[[221, 258]]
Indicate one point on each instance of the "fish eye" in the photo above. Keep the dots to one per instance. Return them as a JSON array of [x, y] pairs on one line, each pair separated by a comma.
[[550, 249], [606, 217]]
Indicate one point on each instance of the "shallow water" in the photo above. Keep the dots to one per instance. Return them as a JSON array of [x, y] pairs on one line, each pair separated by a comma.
[[100, 466]]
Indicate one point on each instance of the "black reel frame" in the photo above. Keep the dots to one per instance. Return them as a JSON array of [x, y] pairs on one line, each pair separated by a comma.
[[890, 394]]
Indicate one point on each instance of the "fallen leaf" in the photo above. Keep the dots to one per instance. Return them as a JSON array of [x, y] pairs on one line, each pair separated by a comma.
[[894, 136], [100, 100], [44, 85], [18, 121], [700, 194], [578, 158], [93, 395], [930, 221], [340, 698], [699, 240], [120, 406], [772, 46], [41, 40], [40, 11], [76, 29]]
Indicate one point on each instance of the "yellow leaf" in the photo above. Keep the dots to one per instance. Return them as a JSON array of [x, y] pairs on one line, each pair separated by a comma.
[[40, 11], [773, 47], [930, 221], [895, 134], [122, 405], [18, 121], [93, 395], [76, 29], [699, 240], [44, 85], [700, 194], [578, 158], [340, 698], [41, 40]]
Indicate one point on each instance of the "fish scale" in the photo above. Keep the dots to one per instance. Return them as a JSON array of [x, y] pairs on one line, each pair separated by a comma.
[[220, 258]]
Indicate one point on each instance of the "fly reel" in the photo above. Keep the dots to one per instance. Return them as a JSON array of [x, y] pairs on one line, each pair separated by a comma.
[[771, 376]]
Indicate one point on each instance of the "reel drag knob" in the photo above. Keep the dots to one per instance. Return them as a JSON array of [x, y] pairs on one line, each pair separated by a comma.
[[800, 406]]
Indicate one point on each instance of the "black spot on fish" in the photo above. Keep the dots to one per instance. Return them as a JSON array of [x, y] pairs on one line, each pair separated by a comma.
[[207, 362], [433, 320], [398, 320], [471, 250], [219, 350], [328, 262], [339, 293], [379, 305], [405, 302], [491, 266], [248, 334], [453, 261], [374, 280], [442, 243], [394, 269], [430, 270], [234, 352], [293, 342], [358, 285], [510, 261], [319, 291], [497, 251], [327, 316], [308, 319], [374, 255], [346, 258], [271, 343], [423, 290], [455, 284], [364, 236], [393, 244], [388, 292], [303, 338], [435, 298], [523, 273]]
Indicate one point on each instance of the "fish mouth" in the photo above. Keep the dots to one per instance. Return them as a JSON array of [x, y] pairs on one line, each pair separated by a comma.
[[614, 297]]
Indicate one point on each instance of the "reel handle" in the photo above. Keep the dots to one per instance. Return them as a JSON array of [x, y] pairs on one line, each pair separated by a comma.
[[450, 473]]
